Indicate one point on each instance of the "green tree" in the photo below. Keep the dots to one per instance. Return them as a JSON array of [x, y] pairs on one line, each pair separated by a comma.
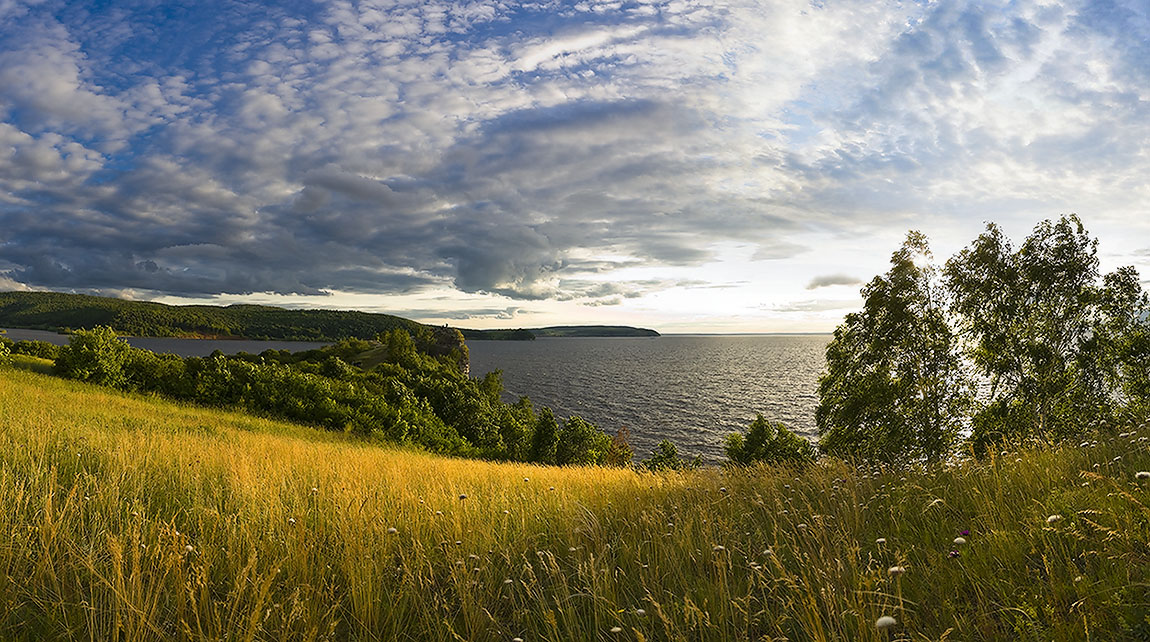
[[769, 442], [545, 439], [95, 355], [5, 353], [895, 390], [1048, 339], [581, 444]]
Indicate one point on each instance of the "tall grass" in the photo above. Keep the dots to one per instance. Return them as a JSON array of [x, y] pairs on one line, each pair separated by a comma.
[[127, 518]]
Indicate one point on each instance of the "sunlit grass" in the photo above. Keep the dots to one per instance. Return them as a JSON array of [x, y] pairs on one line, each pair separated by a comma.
[[125, 518]]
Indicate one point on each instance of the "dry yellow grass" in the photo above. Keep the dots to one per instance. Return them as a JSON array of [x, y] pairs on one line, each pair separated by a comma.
[[125, 518]]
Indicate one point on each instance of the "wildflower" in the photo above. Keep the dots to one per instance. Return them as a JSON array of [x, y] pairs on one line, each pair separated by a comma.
[[896, 570], [616, 629], [571, 549], [880, 541], [438, 512], [551, 488], [1053, 519], [722, 489], [526, 479], [640, 612], [392, 531], [953, 554], [462, 495], [1078, 579], [718, 549], [885, 622], [516, 639], [458, 543], [959, 541], [1142, 475], [291, 520], [965, 533], [509, 581], [506, 512], [314, 490], [189, 548], [802, 527]]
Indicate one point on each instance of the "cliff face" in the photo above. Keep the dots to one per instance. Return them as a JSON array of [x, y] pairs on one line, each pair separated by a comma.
[[449, 341]]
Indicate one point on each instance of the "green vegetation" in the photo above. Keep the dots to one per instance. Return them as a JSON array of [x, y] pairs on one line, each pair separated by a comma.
[[1056, 348], [407, 396], [135, 519], [57, 311], [769, 442]]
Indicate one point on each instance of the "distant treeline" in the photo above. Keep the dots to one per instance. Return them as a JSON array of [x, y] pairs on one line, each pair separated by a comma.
[[529, 334], [58, 311]]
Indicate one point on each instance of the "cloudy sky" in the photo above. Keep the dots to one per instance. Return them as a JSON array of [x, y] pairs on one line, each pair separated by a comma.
[[683, 165]]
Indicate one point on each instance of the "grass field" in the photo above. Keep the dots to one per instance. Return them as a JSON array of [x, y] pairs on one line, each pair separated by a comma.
[[127, 518]]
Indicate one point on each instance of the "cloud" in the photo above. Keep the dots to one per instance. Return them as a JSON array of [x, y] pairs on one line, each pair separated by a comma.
[[827, 280], [542, 152]]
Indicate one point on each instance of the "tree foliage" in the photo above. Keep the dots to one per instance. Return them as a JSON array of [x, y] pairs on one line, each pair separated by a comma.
[[894, 389], [666, 457], [1056, 346], [769, 442], [97, 356]]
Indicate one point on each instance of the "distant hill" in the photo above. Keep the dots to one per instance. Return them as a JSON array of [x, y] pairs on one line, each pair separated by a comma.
[[524, 334], [63, 312]]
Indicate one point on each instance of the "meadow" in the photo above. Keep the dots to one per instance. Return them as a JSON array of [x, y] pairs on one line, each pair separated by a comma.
[[125, 517]]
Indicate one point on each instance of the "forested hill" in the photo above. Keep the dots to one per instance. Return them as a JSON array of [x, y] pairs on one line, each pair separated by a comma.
[[57, 311], [528, 334]]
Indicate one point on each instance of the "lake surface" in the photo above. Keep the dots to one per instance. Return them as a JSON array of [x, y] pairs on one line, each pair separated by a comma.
[[693, 390], [182, 347]]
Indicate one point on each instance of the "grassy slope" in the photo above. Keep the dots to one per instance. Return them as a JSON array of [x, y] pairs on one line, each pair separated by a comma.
[[102, 493]]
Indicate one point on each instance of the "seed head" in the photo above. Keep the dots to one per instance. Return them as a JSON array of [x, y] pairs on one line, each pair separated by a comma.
[[1142, 475], [392, 530], [885, 622], [1053, 519], [896, 570], [959, 541]]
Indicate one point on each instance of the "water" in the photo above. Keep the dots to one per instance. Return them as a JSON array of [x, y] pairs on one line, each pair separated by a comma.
[[693, 390], [182, 347]]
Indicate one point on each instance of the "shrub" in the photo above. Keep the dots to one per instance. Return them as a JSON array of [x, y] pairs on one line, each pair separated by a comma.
[[581, 444], [620, 452], [666, 457], [5, 354], [40, 349], [95, 355], [769, 442]]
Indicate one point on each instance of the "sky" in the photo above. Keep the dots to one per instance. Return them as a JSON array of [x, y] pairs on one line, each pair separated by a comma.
[[689, 166]]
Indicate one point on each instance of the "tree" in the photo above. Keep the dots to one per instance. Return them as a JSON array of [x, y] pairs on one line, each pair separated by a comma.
[[5, 353], [1037, 327], [769, 442], [95, 355], [620, 452], [545, 439], [581, 444], [894, 390]]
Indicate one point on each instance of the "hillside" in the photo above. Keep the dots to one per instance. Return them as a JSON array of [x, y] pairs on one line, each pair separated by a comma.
[[57, 311], [130, 518]]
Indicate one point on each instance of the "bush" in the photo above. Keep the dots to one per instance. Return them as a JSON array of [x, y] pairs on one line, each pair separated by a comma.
[[666, 457], [769, 442], [581, 444], [39, 349], [95, 355], [5, 354]]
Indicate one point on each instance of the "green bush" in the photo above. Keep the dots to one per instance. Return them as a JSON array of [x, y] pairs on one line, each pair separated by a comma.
[[666, 457], [96, 355], [581, 444], [39, 349], [769, 442], [5, 353]]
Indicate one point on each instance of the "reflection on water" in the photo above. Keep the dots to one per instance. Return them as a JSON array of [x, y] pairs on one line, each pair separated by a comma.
[[693, 390]]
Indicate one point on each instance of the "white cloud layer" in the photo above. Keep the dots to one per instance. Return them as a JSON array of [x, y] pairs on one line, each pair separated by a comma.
[[550, 152]]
